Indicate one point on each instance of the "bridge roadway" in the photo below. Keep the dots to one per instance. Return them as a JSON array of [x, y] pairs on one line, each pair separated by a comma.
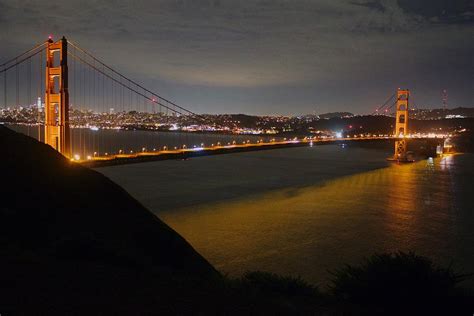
[[184, 153]]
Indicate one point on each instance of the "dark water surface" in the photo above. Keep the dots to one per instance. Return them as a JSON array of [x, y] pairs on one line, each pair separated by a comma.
[[302, 211]]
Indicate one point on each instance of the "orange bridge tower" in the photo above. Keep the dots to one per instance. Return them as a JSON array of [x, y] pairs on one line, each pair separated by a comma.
[[56, 123], [401, 125]]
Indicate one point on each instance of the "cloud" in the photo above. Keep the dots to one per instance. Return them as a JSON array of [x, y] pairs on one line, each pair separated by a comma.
[[441, 11], [247, 44], [375, 5]]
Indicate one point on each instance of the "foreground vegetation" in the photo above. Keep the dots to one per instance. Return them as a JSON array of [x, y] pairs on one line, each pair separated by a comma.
[[390, 283]]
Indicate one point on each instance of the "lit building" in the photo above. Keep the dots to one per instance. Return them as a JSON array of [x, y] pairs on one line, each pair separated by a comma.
[[39, 104]]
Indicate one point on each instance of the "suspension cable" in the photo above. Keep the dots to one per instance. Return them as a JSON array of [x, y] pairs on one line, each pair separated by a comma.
[[124, 85], [137, 84], [391, 106], [18, 62], [27, 52], [384, 104]]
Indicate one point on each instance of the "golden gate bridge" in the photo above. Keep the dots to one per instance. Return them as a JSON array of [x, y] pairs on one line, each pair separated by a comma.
[[69, 77]]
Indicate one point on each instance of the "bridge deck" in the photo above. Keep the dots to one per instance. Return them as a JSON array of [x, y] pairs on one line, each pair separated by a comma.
[[118, 159]]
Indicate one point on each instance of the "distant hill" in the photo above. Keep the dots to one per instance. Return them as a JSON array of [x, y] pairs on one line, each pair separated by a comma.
[[335, 115], [436, 114]]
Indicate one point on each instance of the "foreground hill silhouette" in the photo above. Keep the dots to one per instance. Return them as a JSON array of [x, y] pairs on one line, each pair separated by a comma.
[[69, 235]]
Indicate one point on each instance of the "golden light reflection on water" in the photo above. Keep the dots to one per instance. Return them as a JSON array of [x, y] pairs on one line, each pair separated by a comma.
[[306, 231]]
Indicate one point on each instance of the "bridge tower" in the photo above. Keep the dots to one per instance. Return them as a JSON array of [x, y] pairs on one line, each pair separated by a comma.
[[401, 125], [56, 123]]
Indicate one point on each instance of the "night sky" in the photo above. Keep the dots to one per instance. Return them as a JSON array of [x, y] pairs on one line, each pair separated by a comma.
[[267, 57]]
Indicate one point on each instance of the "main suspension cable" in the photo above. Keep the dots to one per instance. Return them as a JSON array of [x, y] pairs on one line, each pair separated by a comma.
[[27, 52], [122, 84], [380, 108], [18, 62], [137, 84]]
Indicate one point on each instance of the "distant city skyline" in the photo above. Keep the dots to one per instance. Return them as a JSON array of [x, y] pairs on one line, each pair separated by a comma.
[[39, 104], [267, 57]]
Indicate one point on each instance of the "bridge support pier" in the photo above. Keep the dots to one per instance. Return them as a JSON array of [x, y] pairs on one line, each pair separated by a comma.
[[56, 124]]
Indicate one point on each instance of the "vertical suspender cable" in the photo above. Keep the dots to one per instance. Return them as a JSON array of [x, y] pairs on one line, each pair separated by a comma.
[[5, 89], [40, 72], [73, 143], [17, 86], [83, 106], [28, 88]]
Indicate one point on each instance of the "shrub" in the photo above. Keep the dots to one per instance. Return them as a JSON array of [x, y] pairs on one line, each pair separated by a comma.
[[394, 279], [271, 283]]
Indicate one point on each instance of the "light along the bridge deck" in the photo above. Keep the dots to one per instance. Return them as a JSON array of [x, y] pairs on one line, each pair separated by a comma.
[[177, 153]]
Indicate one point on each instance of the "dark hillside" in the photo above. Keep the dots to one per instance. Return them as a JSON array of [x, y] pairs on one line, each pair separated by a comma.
[[70, 226]]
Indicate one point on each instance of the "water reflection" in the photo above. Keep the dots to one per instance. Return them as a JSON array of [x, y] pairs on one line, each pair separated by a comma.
[[306, 231], [446, 162]]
